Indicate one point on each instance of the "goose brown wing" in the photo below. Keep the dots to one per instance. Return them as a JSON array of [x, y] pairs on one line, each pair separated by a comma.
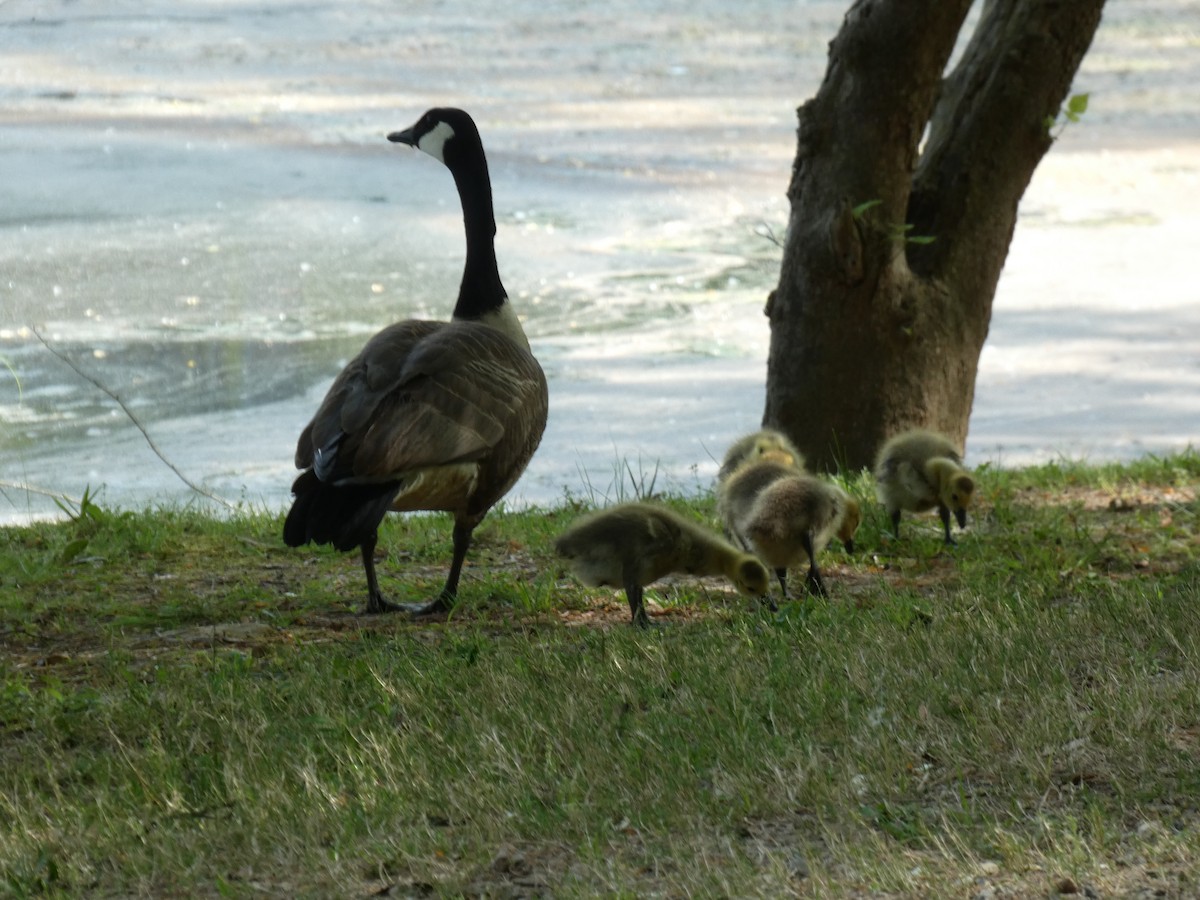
[[355, 391], [424, 394]]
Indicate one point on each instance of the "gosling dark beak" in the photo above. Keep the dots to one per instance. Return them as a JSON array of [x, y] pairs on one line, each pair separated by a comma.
[[403, 137], [850, 545], [961, 516]]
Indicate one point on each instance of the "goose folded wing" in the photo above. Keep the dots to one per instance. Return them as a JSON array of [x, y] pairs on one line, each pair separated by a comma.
[[452, 397], [354, 393]]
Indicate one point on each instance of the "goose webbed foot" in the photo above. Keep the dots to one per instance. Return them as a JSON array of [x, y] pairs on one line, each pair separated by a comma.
[[377, 605]]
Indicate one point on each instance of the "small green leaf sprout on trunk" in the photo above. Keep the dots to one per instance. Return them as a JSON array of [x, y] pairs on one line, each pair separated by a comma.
[[897, 232], [1076, 106]]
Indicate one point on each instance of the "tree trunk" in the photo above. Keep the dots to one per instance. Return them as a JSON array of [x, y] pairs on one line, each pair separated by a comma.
[[874, 327]]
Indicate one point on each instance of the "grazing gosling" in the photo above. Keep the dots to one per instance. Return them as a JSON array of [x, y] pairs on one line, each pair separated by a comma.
[[751, 447], [635, 544], [918, 470], [737, 491], [791, 519]]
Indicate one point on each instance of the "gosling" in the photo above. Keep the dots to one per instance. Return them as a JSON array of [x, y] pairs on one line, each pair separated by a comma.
[[633, 545], [737, 491], [751, 447], [791, 519], [918, 470]]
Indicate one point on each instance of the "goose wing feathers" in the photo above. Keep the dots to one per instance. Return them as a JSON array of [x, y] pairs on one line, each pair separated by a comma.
[[424, 394]]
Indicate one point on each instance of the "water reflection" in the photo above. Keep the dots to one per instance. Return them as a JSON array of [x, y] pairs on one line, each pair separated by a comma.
[[210, 230]]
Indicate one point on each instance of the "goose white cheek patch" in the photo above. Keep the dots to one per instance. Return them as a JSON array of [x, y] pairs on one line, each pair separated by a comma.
[[434, 141]]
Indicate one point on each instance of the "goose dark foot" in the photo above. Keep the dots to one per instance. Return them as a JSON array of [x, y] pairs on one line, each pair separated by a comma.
[[376, 605], [438, 606]]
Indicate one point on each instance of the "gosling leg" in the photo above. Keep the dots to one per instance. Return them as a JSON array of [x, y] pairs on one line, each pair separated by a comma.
[[813, 581], [781, 574], [944, 513], [637, 611]]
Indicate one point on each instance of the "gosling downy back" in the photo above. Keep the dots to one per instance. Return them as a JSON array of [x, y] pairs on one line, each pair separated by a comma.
[[429, 415], [792, 519], [632, 545], [919, 470], [737, 492]]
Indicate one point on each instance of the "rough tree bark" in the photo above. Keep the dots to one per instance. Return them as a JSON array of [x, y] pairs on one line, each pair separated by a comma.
[[872, 332]]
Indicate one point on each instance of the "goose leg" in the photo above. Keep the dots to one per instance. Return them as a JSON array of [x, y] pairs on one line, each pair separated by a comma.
[[443, 602], [375, 602], [896, 523]]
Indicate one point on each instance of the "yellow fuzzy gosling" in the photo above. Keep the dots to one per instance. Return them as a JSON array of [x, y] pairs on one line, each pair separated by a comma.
[[635, 544], [918, 470], [791, 520], [751, 447]]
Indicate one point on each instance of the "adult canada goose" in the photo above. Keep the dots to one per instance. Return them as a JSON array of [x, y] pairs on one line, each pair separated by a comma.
[[635, 544], [755, 445], [429, 415], [918, 470], [791, 519]]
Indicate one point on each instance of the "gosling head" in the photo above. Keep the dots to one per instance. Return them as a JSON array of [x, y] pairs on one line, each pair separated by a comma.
[[962, 490], [774, 454], [955, 489], [751, 577], [851, 519], [774, 445]]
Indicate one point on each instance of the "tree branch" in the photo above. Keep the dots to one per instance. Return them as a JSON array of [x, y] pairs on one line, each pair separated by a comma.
[[988, 132], [864, 125], [133, 418]]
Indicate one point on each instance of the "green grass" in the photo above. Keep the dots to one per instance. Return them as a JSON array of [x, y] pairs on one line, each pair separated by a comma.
[[187, 708]]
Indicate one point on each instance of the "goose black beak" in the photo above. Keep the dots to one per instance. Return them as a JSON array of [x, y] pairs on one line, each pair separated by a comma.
[[403, 137], [961, 516]]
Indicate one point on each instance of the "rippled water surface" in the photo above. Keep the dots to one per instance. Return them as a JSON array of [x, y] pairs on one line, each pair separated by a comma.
[[200, 214]]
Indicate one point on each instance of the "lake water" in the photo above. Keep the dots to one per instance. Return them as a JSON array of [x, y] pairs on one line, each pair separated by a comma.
[[200, 212]]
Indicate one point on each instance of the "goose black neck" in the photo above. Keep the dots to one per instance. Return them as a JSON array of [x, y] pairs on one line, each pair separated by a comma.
[[481, 291]]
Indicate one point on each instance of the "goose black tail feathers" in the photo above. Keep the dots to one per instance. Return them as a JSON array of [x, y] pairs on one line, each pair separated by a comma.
[[343, 515]]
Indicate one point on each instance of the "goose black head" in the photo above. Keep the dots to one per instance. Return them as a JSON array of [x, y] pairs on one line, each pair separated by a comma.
[[448, 135]]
